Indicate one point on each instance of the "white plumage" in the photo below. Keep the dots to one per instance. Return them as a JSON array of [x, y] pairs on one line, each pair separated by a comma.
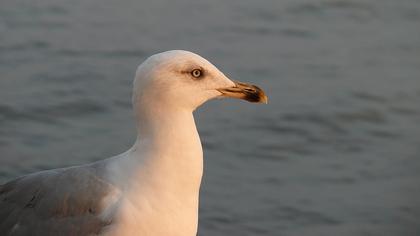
[[151, 189]]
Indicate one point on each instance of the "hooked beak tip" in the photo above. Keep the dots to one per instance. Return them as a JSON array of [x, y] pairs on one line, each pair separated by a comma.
[[264, 99], [248, 92]]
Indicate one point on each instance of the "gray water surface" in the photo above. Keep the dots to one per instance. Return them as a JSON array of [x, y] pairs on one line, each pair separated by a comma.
[[335, 152]]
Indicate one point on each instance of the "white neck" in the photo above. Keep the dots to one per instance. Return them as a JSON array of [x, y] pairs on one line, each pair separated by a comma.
[[169, 146], [164, 167]]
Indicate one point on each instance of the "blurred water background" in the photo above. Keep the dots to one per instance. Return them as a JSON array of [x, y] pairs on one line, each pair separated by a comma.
[[335, 152]]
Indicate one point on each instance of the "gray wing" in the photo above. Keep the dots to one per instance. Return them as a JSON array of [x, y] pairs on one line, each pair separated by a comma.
[[56, 202]]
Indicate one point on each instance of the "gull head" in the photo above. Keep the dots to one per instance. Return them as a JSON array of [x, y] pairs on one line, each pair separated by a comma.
[[180, 79]]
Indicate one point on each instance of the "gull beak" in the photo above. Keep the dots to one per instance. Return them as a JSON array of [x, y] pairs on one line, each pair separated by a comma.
[[245, 91]]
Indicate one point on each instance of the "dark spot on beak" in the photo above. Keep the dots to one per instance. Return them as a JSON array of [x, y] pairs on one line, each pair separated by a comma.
[[254, 96], [248, 92]]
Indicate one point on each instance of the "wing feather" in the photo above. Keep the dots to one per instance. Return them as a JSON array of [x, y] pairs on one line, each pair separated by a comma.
[[55, 202]]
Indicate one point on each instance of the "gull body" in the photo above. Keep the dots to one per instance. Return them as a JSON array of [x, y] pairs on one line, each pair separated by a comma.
[[151, 189]]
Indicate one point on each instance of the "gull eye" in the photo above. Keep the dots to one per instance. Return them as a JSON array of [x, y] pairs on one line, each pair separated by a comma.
[[196, 73]]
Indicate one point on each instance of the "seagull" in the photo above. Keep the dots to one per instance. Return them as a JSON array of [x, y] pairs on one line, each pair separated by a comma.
[[152, 189]]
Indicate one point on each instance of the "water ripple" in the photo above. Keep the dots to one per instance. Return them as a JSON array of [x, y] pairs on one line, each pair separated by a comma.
[[366, 115], [104, 53], [49, 114]]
